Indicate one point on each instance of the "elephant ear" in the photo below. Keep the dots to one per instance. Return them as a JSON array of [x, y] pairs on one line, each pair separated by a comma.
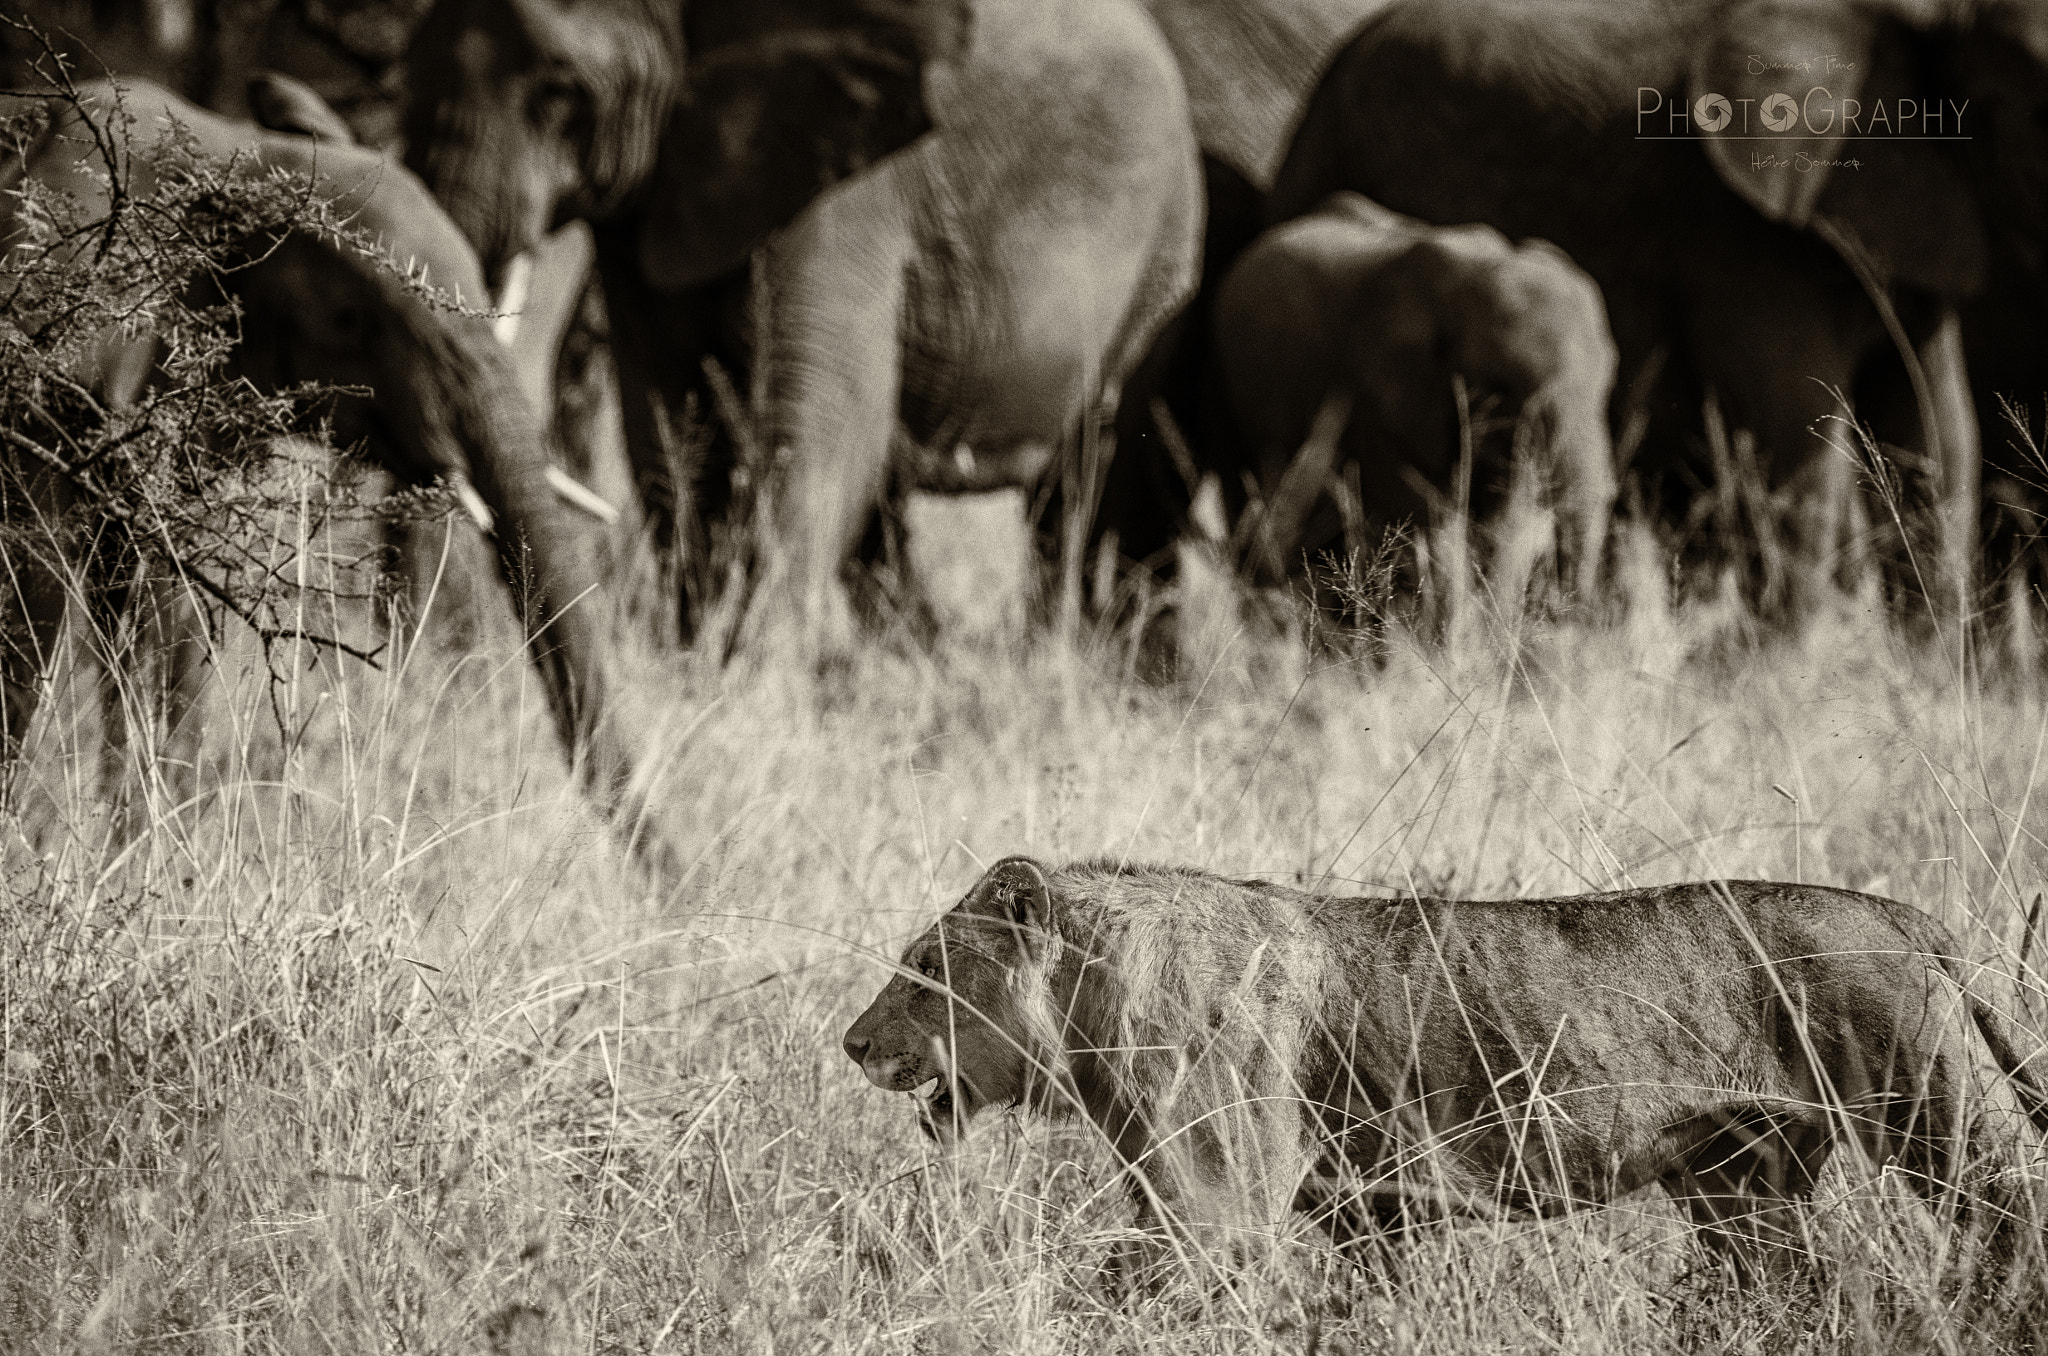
[[1753, 64], [283, 104], [776, 108], [1905, 201]]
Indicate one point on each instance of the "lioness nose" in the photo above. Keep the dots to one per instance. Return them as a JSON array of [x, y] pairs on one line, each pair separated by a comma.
[[856, 1047]]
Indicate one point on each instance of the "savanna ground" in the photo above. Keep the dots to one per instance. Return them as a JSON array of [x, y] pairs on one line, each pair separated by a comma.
[[387, 1045]]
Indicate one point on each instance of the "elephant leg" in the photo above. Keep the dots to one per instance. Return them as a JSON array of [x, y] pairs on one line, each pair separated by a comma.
[[1958, 455], [655, 377], [169, 642], [1818, 521], [1166, 286], [154, 679], [31, 616], [35, 575], [1588, 509], [113, 581], [1302, 486], [1580, 461], [119, 683], [1773, 353], [417, 553], [448, 577], [115, 593], [835, 292]]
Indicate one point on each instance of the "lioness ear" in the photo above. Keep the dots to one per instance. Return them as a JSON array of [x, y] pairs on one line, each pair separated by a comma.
[[1017, 891]]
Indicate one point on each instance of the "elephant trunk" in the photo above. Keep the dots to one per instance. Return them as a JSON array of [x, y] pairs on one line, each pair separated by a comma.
[[1582, 462], [545, 551]]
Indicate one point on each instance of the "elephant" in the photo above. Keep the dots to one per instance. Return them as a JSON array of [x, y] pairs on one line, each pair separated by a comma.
[[683, 136], [1339, 338], [1781, 264], [437, 396], [948, 320], [1023, 257]]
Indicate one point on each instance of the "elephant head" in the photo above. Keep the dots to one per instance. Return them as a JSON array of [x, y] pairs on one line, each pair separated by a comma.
[[1344, 334], [1919, 145], [708, 122], [1919, 151], [443, 397], [417, 380]]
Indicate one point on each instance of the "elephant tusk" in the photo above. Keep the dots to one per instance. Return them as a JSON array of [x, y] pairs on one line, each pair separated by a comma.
[[512, 298], [472, 503], [1206, 514], [575, 492]]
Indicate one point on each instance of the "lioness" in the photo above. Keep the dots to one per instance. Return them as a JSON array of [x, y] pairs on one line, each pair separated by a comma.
[[1246, 1046]]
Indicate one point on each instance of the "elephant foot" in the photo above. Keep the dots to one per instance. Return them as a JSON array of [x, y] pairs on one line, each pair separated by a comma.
[[811, 630]]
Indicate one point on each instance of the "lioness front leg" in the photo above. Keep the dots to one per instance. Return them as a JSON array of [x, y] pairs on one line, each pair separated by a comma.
[[1212, 1195], [1171, 1234]]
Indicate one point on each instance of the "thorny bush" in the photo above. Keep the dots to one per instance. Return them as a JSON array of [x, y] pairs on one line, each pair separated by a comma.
[[202, 480]]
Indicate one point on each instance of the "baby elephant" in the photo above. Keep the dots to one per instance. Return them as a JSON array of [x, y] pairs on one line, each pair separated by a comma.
[[1339, 336]]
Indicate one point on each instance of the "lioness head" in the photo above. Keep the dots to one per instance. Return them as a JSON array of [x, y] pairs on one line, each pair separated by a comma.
[[966, 1011]]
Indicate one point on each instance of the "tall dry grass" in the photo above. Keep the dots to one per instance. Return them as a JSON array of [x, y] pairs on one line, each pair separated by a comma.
[[384, 1044]]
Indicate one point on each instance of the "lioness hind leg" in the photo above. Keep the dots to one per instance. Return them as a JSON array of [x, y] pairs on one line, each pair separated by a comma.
[[1948, 1119], [1973, 1152], [1745, 1175]]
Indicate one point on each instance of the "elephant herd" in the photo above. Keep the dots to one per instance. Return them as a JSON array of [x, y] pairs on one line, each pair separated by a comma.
[[1792, 212], [1100, 249]]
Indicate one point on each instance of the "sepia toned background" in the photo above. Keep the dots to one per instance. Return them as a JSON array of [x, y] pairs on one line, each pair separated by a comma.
[[391, 1039]]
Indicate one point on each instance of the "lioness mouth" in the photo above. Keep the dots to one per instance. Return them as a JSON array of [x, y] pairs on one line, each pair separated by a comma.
[[935, 1106]]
